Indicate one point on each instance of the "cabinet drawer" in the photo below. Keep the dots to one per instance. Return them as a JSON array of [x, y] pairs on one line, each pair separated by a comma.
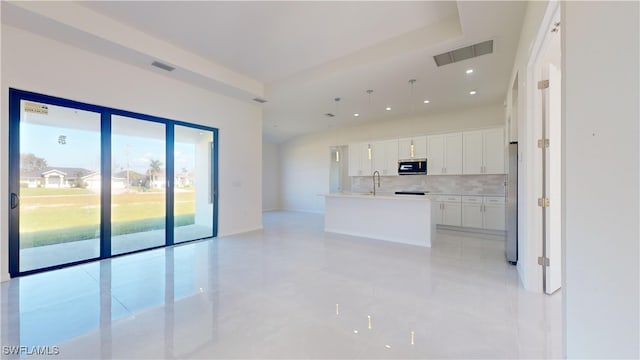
[[448, 198], [472, 199], [494, 200]]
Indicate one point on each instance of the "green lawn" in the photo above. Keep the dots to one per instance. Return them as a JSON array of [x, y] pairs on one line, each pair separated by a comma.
[[53, 192], [47, 218]]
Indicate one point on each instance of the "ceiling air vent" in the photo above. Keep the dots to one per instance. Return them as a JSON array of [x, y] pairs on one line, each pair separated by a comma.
[[163, 66], [483, 48], [261, 101]]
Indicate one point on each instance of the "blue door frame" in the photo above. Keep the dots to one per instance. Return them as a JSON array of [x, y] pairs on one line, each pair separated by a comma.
[[15, 96]]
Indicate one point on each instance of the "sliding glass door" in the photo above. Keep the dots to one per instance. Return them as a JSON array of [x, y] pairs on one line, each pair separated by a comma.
[[89, 182], [138, 184], [58, 198], [193, 193]]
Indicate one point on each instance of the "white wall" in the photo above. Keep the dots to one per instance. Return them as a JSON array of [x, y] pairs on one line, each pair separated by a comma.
[[529, 237], [305, 161], [601, 90], [33, 63], [270, 176]]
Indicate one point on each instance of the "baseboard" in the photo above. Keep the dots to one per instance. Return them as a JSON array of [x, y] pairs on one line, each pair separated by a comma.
[[472, 230], [318, 212], [241, 231], [272, 209]]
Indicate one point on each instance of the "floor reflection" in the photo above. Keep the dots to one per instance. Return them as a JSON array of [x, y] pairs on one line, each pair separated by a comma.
[[91, 300], [290, 291]]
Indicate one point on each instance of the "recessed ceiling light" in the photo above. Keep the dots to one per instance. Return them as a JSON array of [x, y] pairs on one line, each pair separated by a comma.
[[356, 114], [426, 101], [472, 92], [469, 71], [388, 108]]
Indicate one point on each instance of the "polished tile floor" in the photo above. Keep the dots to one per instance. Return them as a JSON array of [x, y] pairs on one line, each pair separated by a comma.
[[290, 291]]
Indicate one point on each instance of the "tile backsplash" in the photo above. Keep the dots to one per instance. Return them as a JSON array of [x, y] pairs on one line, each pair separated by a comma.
[[439, 184]]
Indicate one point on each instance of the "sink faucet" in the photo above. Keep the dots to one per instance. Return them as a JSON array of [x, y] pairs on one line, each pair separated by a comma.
[[374, 181]]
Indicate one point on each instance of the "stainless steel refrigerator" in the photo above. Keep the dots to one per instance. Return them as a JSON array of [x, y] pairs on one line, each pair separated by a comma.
[[512, 205]]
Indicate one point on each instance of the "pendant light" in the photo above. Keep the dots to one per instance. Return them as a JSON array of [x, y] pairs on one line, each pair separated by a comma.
[[337, 100], [412, 81], [369, 145]]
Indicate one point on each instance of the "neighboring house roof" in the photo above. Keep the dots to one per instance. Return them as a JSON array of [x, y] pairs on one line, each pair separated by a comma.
[[69, 172], [132, 174]]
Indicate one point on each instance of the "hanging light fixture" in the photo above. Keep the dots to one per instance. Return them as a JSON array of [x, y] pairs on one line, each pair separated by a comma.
[[412, 81], [337, 100], [369, 145]]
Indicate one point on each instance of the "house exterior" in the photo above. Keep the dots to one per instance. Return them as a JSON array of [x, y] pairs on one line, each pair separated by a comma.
[[55, 177]]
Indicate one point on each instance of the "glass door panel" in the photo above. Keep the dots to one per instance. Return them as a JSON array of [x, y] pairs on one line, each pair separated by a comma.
[[59, 192], [138, 186], [193, 188]]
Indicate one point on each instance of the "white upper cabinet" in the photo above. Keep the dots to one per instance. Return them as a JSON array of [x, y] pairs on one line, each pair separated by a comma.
[[444, 154], [418, 144], [472, 152], [493, 151], [483, 151], [469, 152], [359, 161], [385, 157]]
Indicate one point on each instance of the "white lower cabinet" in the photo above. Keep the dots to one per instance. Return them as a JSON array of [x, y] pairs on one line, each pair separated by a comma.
[[472, 211], [494, 213], [484, 212], [447, 210]]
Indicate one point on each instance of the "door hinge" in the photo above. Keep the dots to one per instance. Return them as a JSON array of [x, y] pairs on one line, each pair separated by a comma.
[[543, 202], [543, 143], [543, 261], [543, 84]]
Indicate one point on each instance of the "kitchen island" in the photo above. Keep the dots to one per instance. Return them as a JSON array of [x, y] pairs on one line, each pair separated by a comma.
[[403, 219]]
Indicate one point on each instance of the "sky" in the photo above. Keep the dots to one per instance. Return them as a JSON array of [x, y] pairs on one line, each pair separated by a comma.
[[81, 149]]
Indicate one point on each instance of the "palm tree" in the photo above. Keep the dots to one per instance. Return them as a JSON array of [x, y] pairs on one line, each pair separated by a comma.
[[154, 168]]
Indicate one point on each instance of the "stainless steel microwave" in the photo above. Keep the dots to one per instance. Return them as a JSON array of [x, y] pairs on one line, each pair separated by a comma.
[[412, 167]]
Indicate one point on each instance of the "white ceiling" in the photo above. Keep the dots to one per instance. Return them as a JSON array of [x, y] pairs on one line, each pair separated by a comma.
[[307, 53]]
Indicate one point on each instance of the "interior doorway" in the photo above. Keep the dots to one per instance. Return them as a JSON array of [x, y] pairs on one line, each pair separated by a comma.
[[339, 170]]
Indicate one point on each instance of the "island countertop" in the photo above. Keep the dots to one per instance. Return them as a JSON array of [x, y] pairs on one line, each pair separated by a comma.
[[385, 196]]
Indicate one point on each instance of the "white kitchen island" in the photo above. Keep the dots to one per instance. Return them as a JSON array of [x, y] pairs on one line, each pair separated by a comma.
[[403, 219]]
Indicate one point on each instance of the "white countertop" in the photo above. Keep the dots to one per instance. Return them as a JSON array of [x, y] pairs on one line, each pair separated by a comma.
[[385, 196]]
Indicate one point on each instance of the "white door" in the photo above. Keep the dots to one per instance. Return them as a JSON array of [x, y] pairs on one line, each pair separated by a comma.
[[553, 180], [553, 167]]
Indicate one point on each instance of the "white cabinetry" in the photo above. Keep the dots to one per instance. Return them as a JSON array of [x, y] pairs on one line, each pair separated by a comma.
[[494, 213], [446, 210], [444, 154], [359, 161], [418, 144], [483, 212], [472, 211], [483, 151], [385, 157]]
